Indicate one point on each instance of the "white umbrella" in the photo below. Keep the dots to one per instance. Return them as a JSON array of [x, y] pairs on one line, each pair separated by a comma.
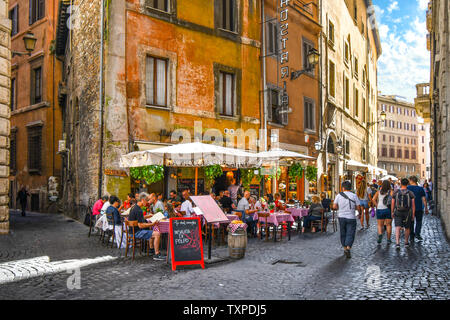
[[389, 176], [280, 154]]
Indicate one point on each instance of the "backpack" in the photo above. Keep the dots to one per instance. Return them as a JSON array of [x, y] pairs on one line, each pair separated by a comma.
[[386, 199], [349, 200], [403, 200]]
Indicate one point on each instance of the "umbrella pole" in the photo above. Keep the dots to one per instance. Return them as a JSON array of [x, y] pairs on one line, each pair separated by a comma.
[[196, 179]]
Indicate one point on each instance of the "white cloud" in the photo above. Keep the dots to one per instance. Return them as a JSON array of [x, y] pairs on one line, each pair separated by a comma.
[[393, 6], [423, 4], [405, 59]]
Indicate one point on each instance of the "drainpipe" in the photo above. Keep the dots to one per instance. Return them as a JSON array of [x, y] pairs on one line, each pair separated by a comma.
[[263, 45], [100, 165]]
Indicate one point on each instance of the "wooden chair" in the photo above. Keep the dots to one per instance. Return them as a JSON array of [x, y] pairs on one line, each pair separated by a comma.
[[111, 233], [263, 215], [320, 223], [131, 239]]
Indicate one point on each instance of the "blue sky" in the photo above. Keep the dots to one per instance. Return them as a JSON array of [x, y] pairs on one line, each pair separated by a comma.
[[405, 60]]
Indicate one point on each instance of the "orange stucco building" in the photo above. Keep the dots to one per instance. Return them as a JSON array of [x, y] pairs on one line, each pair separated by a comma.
[[35, 113]]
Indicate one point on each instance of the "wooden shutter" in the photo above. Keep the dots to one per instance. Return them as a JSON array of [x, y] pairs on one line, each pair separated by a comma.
[[40, 9], [30, 12], [34, 149], [284, 107]]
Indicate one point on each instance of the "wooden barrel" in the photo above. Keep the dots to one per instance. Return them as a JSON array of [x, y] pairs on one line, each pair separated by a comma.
[[237, 243]]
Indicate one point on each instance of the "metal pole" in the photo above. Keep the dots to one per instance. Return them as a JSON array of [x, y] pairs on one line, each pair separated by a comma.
[[263, 45], [209, 241]]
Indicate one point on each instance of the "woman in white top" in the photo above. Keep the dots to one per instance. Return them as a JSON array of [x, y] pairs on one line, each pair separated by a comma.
[[381, 200], [363, 197]]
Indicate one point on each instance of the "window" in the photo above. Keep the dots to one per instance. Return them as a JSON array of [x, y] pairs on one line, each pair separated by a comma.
[[392, 167], [162, 5], [307, 46], [364, 77], [423, 139], [391, 152], [399, 167], [423, 149], [12, 151], [383, 107], [332, 75], [399, 140], [406, 168], [413, 154], [356, 68], [399, 153], [36, 87], [36, 10], [227, 10], [423, 161], [383, 151], [413, 168], [156, 81], [406, 154], [363, 154], [356, 99], [347, 147], [227, 94], [330, 32], [13, 94], [13, 16], [310, 114], [34, 149], [346, 93], [363, 109], [355, 11], [407, 112], [399, 110], [274, 102], [346, 53], [272, 38], [384, 138]]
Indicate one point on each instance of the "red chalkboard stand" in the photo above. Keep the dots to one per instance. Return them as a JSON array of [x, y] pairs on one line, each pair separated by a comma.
[[175, 263]]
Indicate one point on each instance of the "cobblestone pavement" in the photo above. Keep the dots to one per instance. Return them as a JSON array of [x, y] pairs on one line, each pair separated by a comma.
[[320, 270]]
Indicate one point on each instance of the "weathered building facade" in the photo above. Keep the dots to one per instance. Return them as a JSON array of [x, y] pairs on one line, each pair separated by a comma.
[[432, 103], [166, 65], [5, 85], [350, 47], [398, 138], [295, 124], [35, 113]]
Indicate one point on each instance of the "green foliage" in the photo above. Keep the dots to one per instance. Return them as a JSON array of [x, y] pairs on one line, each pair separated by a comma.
[[296, 171], [212, 172], [311, 173], [149, 174], [247, 176]]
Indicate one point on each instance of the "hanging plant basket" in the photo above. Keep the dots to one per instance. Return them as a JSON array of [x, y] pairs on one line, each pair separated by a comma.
[[296, 171], [311, 173]]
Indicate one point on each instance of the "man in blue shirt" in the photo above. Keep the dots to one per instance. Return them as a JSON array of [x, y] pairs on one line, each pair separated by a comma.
[[421, 203]]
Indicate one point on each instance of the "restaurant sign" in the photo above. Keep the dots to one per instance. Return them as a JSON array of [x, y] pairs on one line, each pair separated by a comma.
[[284, 53], [117, 173]]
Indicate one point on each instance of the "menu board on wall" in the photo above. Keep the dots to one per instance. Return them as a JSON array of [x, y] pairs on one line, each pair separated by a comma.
[[184, 184]]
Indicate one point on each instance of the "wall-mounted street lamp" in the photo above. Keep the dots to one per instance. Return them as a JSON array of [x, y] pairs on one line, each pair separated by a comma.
[[382, 117], [313, 60], [30, 43]]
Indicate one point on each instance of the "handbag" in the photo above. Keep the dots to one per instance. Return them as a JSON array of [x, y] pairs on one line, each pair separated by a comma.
[[372, 212]]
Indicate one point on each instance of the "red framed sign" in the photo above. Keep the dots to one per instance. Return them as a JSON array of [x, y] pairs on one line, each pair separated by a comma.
[[186, 246]]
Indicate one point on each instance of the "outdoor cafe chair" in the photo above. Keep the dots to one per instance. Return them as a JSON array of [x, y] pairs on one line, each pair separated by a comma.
[[131, 239], [111, 233], [263, 215]]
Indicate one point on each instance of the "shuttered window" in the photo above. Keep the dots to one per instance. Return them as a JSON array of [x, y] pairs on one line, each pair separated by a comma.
[[36, 85], [13, 94], [34, 149], [14, 17], [12, 152], [228, 11], [36, 10], [156, 81], [310, 114], [162, 5], [272, 38], [227, 93]]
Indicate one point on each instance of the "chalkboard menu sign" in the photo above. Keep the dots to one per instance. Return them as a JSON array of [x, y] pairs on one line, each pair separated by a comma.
[[184, 184], [186, 245]]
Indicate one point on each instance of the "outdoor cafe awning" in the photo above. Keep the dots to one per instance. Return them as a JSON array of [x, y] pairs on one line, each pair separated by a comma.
[[355, 165], [194, 154]]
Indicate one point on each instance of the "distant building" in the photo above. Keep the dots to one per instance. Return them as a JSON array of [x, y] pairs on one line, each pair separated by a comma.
[[398, 137]]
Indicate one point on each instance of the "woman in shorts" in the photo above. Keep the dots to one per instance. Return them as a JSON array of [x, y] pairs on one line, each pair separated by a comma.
[[382, 201], [363, 196]]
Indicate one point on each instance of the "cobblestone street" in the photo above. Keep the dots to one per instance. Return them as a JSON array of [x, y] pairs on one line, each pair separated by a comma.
[[320, 270]]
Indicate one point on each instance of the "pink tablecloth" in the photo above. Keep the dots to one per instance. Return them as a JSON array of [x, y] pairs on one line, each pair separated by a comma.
[[232, 227], [230, 217], [298, 212], [162, 227], [275, 218]]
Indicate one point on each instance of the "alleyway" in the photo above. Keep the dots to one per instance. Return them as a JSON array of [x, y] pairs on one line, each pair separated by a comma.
[[320, 271]]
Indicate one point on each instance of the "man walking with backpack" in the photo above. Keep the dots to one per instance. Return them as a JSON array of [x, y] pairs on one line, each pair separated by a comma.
[[346, 203], [420, 204], [404, 211]]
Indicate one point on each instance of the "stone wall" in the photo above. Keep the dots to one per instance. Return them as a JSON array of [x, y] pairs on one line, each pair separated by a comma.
[[5, 82], [441, 94]]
